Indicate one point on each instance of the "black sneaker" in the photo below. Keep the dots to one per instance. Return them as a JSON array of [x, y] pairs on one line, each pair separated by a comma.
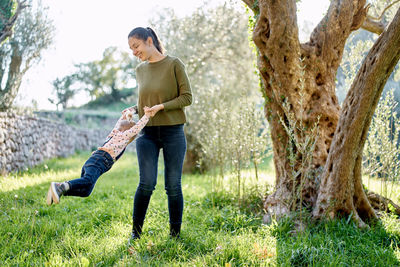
[[175, 230], [56, 190], [133, 238]]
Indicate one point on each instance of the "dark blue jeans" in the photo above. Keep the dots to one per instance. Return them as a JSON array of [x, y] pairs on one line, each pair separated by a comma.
[[98, 163], [173, 143]]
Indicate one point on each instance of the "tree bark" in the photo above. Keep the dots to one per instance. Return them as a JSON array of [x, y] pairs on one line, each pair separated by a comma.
[[6, 31], [379, 202], [373, 26], [286, 66], [341, 180], [10, 91]]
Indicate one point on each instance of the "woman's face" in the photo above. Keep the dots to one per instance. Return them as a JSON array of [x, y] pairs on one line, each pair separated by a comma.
[[141, 49]]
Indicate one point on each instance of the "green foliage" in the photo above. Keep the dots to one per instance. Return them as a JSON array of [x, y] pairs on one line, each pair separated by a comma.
[[108, 102], [94, 231], [107, 75], [353, 55], [33, 34], [8, 14], [300, 145], [378, 10], [358, 45], [63, 91], [7, 7], [382, 149], [104, 78]]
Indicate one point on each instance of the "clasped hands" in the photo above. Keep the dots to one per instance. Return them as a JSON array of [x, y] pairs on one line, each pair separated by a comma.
[[153, 110], [148, 111]]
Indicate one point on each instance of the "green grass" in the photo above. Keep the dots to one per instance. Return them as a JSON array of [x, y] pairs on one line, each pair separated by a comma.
[[94, 231]]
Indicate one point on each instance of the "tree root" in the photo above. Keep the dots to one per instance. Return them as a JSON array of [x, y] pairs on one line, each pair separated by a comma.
[[382, 203]]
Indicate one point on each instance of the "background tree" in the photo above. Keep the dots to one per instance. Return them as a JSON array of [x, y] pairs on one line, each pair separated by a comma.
[[9, 12], [382, 149], [337, 189], [33, 34], [359, 43], [105, 76], [63, 91]]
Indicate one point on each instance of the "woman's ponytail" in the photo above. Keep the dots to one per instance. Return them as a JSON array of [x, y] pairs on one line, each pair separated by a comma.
[[144, 33], [156, 40]]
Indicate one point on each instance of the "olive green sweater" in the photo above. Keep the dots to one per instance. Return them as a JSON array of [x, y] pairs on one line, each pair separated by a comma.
[[164, 82]]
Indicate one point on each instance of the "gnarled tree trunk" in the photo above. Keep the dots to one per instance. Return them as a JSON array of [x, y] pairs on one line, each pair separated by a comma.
[[286, 66], [343, 166]]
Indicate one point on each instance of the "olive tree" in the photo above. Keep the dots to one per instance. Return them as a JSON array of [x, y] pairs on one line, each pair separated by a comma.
[[33, 33], [337, 188], [9, 12]]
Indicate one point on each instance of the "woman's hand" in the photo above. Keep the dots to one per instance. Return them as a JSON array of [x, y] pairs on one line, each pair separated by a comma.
[[156, 108], [148, 112]]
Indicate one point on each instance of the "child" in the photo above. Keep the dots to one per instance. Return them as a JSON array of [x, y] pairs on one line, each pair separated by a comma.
[[102, 159]]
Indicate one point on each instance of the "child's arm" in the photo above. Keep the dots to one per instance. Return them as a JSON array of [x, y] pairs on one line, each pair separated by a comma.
[[132, 132], [131, 110], [115, 127], [138, 126]]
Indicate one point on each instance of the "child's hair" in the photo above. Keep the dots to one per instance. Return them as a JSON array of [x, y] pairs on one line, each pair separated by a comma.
[[125, 125], [144, 33], [129, 115]]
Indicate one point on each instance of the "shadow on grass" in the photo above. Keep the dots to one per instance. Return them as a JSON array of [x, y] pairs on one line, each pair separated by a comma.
[[335, 243]]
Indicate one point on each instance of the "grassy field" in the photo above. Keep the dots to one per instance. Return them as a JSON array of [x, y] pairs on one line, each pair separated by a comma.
[[94, 231]]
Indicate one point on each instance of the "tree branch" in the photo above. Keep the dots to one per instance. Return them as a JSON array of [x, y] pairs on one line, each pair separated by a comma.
[[250, 4], [373, 26], [358, 109], [7, 30], [383, 12], [329, 37]]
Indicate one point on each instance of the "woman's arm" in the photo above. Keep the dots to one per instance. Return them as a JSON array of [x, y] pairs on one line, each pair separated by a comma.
[[185, 92]]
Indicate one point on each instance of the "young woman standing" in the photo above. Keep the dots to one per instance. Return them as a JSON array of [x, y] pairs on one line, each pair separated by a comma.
[[164, 86]]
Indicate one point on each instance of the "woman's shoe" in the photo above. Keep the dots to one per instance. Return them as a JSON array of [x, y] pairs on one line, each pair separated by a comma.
[[175, 230], [134, 236], [136, 232]]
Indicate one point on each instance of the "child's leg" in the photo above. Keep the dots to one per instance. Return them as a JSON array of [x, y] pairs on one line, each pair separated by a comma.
[[94, 167]]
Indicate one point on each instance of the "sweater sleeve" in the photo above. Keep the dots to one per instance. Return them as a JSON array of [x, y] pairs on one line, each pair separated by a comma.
[[137, 127], [185, 92], [111, 134]]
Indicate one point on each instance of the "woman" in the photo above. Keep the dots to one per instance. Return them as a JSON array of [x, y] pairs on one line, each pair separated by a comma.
[[164, 86]]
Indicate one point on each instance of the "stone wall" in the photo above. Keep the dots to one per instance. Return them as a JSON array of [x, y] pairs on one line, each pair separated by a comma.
[[26, 141]]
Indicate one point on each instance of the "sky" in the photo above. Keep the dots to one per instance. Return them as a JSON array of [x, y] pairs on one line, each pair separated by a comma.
[[84, 29]]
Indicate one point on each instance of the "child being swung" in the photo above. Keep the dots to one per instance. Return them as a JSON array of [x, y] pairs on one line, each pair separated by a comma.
[[102, 159]]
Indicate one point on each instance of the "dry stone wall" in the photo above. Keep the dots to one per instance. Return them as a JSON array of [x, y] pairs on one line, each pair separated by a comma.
[[26, 141]]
